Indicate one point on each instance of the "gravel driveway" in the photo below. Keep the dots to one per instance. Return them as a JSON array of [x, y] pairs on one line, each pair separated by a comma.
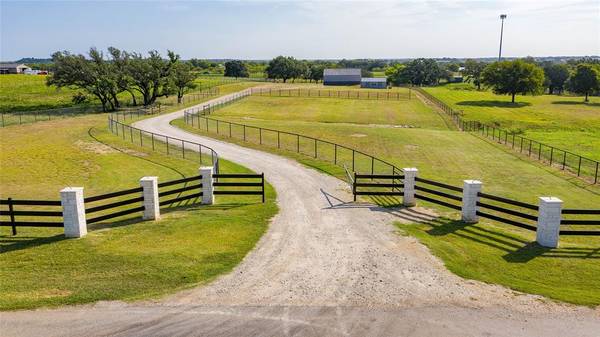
[[326, 267]]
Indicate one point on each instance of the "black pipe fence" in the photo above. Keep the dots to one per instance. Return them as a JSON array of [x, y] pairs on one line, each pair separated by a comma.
[[583, 167], [164, 144], [31, 213], [337, 154], [375, 94]]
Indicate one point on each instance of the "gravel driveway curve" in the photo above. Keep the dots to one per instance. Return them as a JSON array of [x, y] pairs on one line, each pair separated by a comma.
[[325, 267]]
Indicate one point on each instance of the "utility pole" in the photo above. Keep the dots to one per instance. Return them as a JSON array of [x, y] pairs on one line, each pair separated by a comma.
[[502, 17]]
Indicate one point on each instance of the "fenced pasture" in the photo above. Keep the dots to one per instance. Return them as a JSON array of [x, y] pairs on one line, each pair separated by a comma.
[[581, 166]]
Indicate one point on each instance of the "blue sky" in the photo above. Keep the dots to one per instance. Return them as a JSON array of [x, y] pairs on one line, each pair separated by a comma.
[[304, 29]]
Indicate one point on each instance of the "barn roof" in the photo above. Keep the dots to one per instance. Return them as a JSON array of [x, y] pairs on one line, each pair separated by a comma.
[[341, 71], [11, 65]]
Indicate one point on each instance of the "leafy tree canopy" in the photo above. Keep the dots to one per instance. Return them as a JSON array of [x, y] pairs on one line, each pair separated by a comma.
[[514, 77]]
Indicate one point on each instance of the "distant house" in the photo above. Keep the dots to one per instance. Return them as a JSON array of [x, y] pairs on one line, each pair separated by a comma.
[[13, 68], [373, 82], [455, 77], [342, 76]]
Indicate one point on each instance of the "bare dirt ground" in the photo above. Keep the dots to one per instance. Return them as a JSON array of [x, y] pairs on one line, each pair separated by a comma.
[[326, 267]]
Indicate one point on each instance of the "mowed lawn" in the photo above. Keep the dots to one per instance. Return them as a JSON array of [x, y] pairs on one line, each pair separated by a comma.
[[570, 273], [403, 113], [562, 121], [120, 259]]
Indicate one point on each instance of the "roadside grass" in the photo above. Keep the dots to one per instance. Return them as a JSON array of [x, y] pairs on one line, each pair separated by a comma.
[[561, 121], [488, 251], [121, 259]]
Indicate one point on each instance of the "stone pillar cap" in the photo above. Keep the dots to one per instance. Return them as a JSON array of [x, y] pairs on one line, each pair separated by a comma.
[[410, 169], [472, 182], [551, 199]]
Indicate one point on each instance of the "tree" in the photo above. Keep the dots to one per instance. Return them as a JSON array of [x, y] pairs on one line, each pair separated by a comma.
[[556, 76], [236, 69], [281, 67], [395, 74], [120, 60], [94, 76], [315, 72], [182, 78], [514, 77], [419, 72], [585, 80], [150, 76], [473, 71]]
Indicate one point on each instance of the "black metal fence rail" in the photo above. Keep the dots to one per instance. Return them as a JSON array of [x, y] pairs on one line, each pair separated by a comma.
[[31, 116], [497, 205], [240, 184], [162, 143], [432, 194], [338, 154], [328, 93], [115, 202], [562, 159], [32, 215], [578, 225], [188, 190], [377, 184]]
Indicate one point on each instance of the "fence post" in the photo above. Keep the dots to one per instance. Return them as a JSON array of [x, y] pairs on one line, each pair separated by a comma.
[[71, 199], [410, 175], [150, 194], [207, 184], [548, 223], [469, 201]]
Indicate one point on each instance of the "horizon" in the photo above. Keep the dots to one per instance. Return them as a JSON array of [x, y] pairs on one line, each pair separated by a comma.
[[305, 30]]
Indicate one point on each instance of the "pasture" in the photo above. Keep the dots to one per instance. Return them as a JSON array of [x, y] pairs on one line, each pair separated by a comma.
[[472, 251], [562, 121], [119, 259]]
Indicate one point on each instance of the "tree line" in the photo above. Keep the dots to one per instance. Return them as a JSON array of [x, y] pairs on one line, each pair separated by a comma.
[[106, 77], [521, 76]]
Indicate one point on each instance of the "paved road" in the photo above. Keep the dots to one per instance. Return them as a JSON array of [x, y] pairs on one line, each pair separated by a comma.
[[326, 267]]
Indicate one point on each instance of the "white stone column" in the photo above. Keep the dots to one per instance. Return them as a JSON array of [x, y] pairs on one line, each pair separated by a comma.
[[548, 224], [150, 194], [410, 173], [71, 199], [469, 200], [207, 185]]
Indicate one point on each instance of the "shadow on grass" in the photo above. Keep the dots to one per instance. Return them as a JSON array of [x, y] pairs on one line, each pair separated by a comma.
[[517, 249], [494, 104], [14, 243], [575, 103], [11, 243]]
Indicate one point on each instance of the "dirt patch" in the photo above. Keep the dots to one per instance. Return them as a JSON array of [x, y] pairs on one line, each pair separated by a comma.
[[358, 135], [99, 148], [95, 147]]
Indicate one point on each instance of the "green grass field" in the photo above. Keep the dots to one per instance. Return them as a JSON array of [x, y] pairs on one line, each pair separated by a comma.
[[329, 110], [30, 92], [122, 259], [562, 121], [477, 251]]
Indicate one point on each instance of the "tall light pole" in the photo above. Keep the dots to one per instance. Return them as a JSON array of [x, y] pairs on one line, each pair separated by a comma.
[[502, 17]]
